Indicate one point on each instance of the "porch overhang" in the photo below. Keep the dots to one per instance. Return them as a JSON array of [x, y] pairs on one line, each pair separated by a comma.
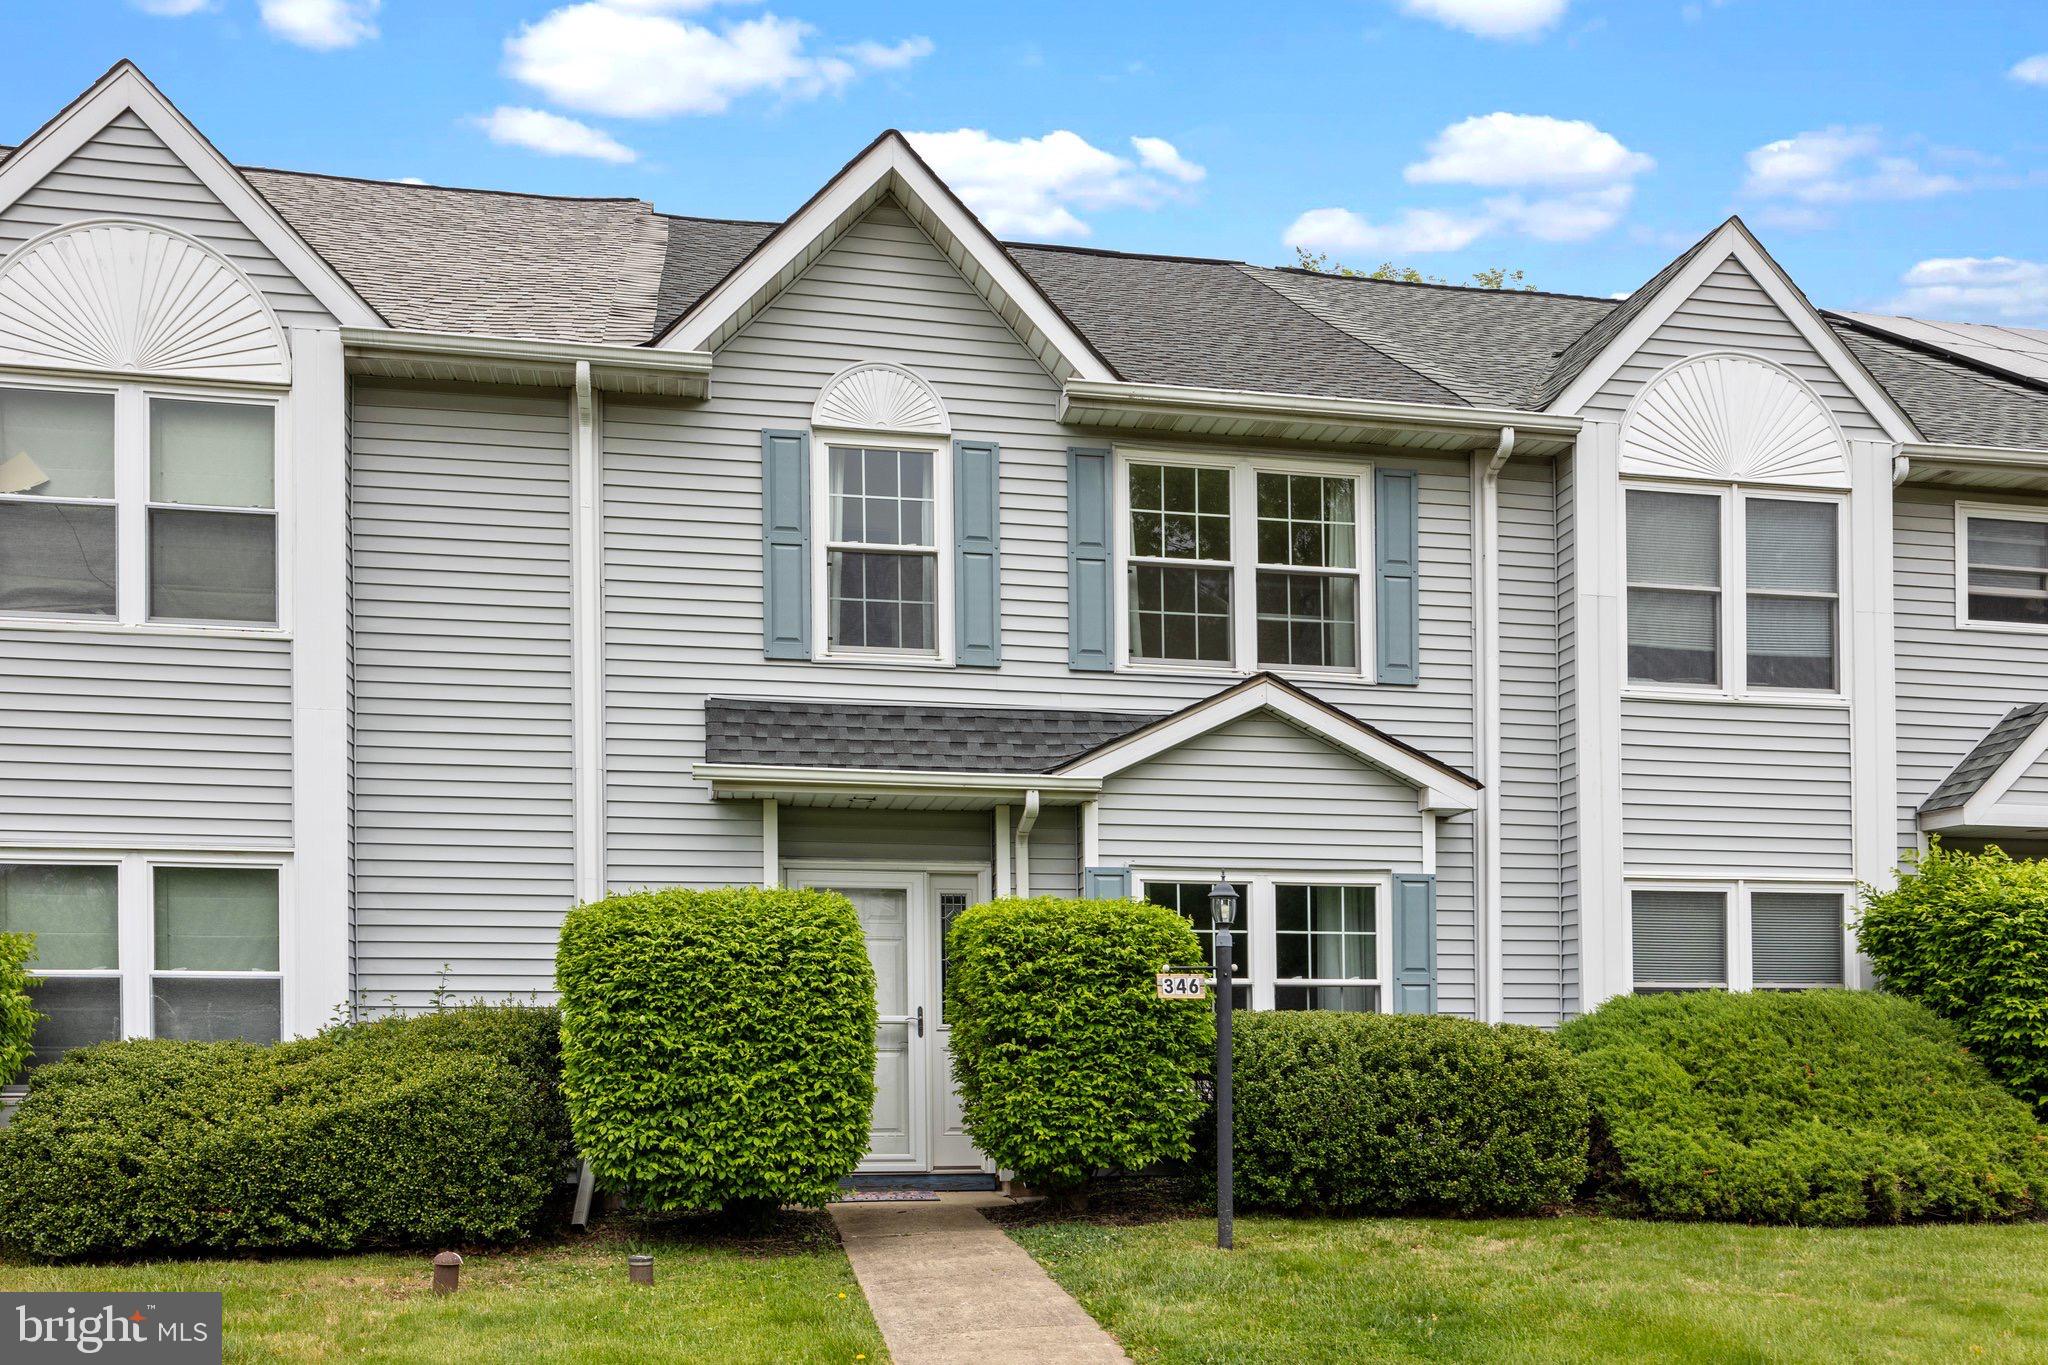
[[1984, 794], [888, 789]]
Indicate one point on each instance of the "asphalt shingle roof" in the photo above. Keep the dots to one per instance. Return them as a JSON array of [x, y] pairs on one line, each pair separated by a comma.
[[1998, 744], [1573, 360], [991, 739], [1950, 400]]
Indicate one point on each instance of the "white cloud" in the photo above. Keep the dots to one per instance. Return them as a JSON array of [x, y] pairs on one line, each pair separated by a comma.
[[172, 9], [1491, 18], [552, 135], [1502, 149], [322, 24], [1410, 232], [2031, 70], [636, 59], [1033, 186], [1981, 288], [1840, 165], [1579, 182]]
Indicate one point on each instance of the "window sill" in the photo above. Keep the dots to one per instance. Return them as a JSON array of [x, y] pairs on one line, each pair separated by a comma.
[[1825, 701], [77, 626], [1237, 675], [2001, 627], [881, 660]]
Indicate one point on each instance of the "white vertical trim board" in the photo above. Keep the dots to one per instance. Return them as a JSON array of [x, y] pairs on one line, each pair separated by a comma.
[[586, 633], [771, 842], [314, 464], [1004, 885], [1598, 585], [1872, 675]]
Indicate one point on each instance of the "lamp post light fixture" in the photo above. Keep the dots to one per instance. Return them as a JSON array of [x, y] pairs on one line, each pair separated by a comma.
[[1223, 912]]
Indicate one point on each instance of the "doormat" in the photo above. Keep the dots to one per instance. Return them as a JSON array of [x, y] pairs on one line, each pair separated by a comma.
[[887, 1197]]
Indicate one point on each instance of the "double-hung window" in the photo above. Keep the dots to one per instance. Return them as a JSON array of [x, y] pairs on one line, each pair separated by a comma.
[[881, 554], [1326, 941], [124, 505], [1737, 936], [2002, 579], [1687, 627], [1233, 563], [129, 947], [1191, 900]]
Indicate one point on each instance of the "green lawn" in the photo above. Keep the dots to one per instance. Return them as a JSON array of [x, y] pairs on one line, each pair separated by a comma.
[[1576, 1288], [792, 1298]]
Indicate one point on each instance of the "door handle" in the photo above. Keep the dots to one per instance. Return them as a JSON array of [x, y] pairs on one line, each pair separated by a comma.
[[920, 1021]]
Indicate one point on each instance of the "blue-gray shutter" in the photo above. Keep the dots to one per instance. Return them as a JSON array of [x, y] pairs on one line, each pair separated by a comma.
[[1088, 568], [1396, 577], [1414, 944], [786, 544], [1106, 883], [977, 564]]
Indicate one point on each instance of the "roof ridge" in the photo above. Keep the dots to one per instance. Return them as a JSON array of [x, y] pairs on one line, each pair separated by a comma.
[[453, 189], [1355, 278], [1132, 255], [730, 222]]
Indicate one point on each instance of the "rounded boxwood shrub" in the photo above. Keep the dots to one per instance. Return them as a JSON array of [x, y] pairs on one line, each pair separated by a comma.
[[17, 1013], [1817, 1107], [1966, 934], [1372, 1113], [1068, 1062], [417, 1132], [718, 1047]]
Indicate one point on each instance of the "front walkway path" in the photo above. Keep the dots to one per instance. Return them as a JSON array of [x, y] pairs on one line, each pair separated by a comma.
[[947, 1286]]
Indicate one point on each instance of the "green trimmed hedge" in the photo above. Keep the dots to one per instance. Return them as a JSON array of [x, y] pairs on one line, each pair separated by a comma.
[[1068, 1062], [1373, 1113], [1815, 1107], [17, 1012], [1966, 934], [412, 1132], [718, 1047]]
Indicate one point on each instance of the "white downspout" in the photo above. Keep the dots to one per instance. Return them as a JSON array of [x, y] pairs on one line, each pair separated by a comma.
[[1486, 716], [1025, 821]]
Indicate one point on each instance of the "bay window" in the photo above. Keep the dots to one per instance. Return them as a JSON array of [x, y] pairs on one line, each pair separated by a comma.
[[121, 505], [881, 552], [1741, 935], [1232, 563], [1688, 628], [2002, 576], [131, 947]]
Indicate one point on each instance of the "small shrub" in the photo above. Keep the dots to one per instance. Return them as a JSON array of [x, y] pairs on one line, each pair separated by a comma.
[[17, 1013], [1370, 1113], [1067, 1060], [1966, 934], [1820, 1107], [412, 1132], [718, 1047]]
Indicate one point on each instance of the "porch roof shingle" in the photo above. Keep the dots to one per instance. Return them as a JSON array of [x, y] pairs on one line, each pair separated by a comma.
[[1999, 744], [906, 738]]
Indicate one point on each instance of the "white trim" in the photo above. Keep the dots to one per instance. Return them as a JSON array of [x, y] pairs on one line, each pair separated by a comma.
[[414, 354], [832, 394], [314, 560], [1091, 835], [754, 780], [586, 635], [1027, 820], [822, 544], [1732, 241], [1871, 676], [1989, 511], [1601, 635], [1988, 807], [1002, 842], [887, 167], [126, 88], [1437, 792], [771, 842], [1634, 467], [1486, 719]]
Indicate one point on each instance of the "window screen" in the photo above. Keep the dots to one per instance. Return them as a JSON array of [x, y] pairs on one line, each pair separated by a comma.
[[1674, 576], [1792, 564], [1680, 939], [2008, 570], [216, 954], [1796, 938], [57, 517], [212, 530]]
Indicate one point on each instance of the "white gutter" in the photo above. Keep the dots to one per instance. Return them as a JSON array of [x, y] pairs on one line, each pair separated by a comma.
[[394, 353], [1025, 822], [2001, 456], [1175, 399], [1486, 714], [755, 779]]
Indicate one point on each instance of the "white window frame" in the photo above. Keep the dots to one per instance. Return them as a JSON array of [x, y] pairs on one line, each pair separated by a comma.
[[1740, 927], [1733, 627], [1244, 467], [135, 925], [1992, 511], [822, 544], [1258, 923], [132, 506]]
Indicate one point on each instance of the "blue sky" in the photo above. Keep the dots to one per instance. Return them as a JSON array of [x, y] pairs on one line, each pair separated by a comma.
[[1893, 156]]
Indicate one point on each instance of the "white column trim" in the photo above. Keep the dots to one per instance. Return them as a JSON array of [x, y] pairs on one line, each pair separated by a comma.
[[586, 634], [1091, 836], [1602, 644], [1872, 681], [771, 843], [1002, 835], [321, 963]]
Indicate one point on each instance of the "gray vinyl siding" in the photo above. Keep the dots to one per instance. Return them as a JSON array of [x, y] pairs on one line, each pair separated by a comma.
[[1532, 966], [682, 549], [144, 740], [896, 838], [463, 782], [1731, 312], [2032, 787], [1261, 795], [1954, 683], [1726, 789], [126, 171], [1056, 852], [1567, 740]]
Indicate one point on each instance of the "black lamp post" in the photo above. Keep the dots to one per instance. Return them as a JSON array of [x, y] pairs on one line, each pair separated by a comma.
[[1223, 910]]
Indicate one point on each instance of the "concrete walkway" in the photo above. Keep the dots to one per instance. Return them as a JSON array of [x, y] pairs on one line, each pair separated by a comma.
[[946, 1286]]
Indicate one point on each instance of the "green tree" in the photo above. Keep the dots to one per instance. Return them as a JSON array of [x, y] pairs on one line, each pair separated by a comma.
[[1319, 262]]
